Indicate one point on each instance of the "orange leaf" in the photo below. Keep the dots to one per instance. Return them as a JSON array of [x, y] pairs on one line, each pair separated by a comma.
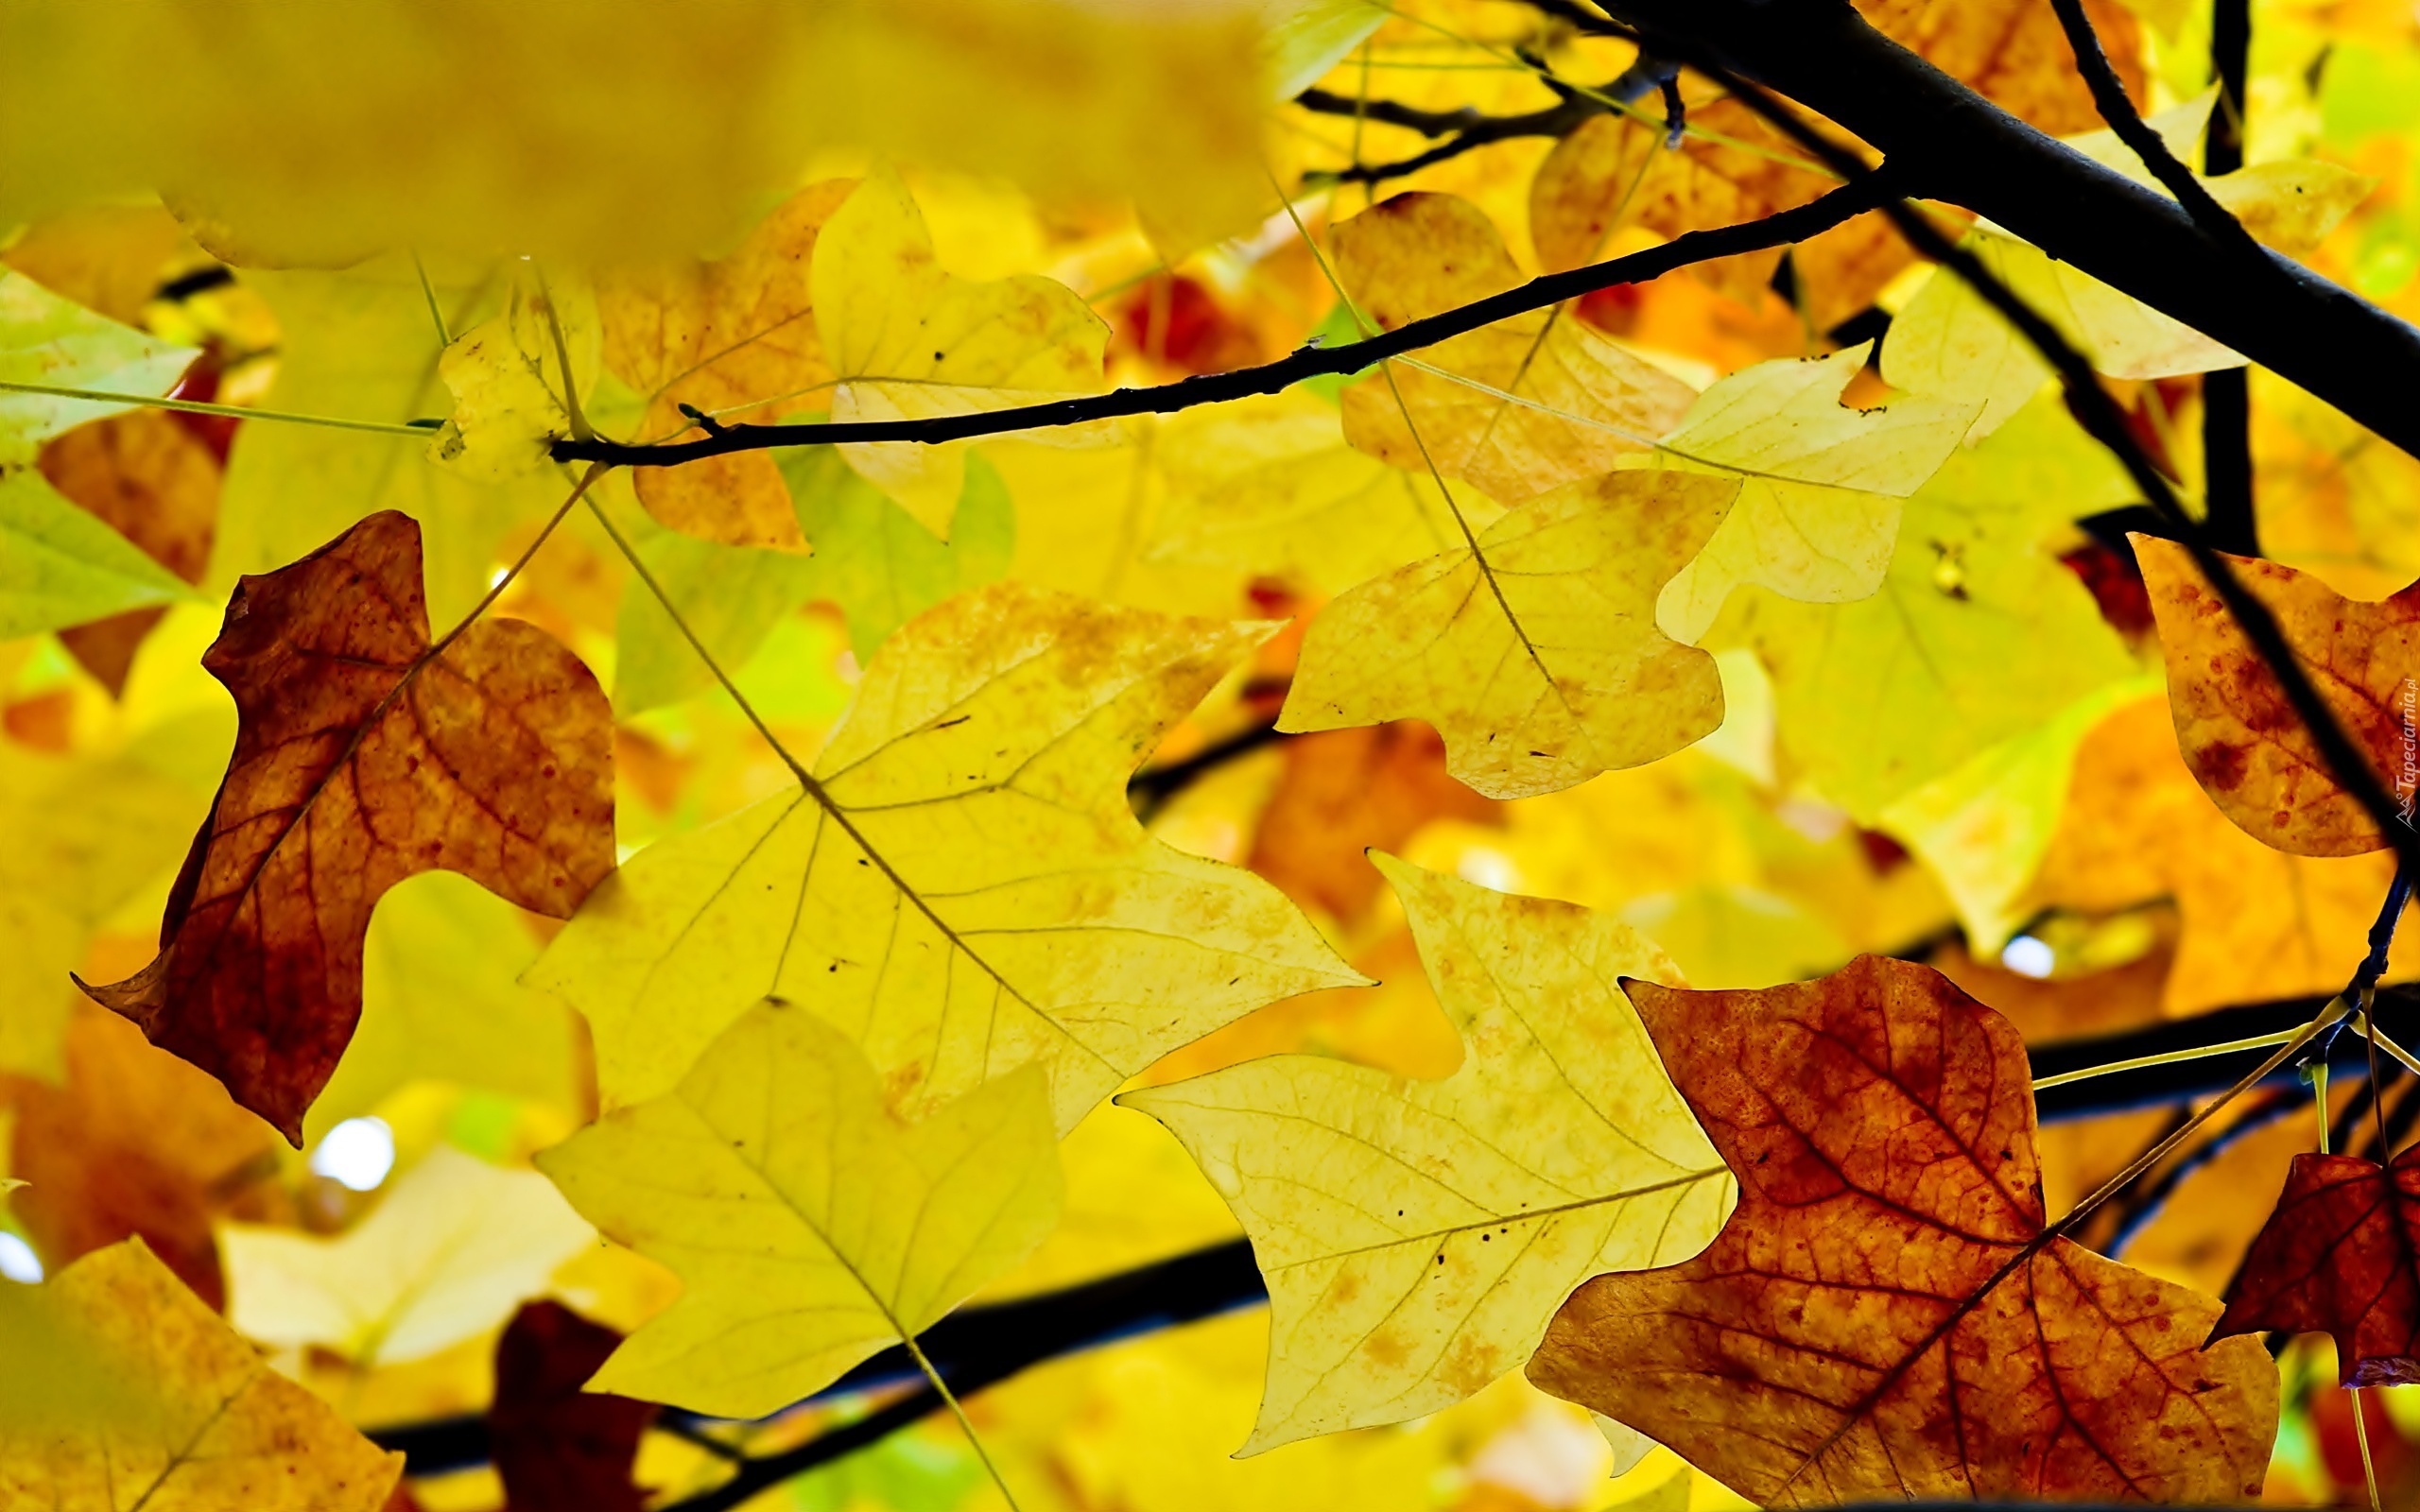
[[1349, 791], [1884, 1314], [2339, 1256], [2013, 53], [2244, 742], [365, 755], [731, 339]]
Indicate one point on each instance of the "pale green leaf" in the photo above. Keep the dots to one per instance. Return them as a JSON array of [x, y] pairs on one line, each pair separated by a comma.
[[48, 340]]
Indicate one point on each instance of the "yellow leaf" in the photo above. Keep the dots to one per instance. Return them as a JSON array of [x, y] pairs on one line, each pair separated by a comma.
[[1270, 484], [1533, 649], [1375, 1203], [732, 339], [512, 396], [362, 345], [321, 136], [144, 1399], [808, 1225], [1821, 483], [450, 1252], [907, 340], [963, 888], [1515, 408]]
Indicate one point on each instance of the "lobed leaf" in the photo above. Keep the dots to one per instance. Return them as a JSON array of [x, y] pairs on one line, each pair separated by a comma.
[[808, 1224], [365, 755], [2340, 1255], [1374, 1202], [1886, 1314]]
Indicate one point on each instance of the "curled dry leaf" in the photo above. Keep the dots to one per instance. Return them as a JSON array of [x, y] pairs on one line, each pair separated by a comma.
[[810, 1226], [1534, 648], [2341, 1255], [732, 339], [146, 1400], [1886, 1307], [1516, 407], [365, 755], [1416, 1235], [2246, 744]]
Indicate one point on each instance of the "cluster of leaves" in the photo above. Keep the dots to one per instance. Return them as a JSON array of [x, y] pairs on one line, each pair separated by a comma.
[[1523, 829]]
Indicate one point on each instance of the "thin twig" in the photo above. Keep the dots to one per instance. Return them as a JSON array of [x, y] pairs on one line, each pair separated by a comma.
[[1794, 225], [2109, 93], [195, 407]]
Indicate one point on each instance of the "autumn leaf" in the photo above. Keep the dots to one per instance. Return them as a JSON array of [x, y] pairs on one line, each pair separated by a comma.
[[149, 478], [908, 340], [1821, 484], [1886, 1306], [1533, 649], [448, 1254], [176, 1413], [136, 1144], [810, 1225], [732, 339], [518, 378], [351, 772], [1346, 792], [2336, 1257], [2246, 744], [1515, 408], [2015, 54], [959, 886], [556, 1447], [1374, 1202], [1270, 484]]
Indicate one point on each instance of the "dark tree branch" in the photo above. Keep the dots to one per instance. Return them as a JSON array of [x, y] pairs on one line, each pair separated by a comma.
[[1952, 144], [1148, 790], [1794, 225], [2226, 395], [1555, 121], [2101, 419], [2109, 95]]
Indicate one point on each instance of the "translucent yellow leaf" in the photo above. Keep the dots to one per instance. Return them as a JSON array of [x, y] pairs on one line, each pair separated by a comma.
[[1515, 408], [1821, 483], [1375, 1203], [1978, 633], [734, 339], [363, 344], [809, 1226], [78, 837], [141, 1397], [441, 1002], [1269, 486], [1085, 517], [1533, 649], [448, 1254], [907, 340], [963, 889], [513, 396], [596, 129], [45, 340]]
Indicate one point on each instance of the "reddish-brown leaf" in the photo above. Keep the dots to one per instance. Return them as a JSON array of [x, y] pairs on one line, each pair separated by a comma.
[[1884, 1315], [2341, 1255], [2243, 739], [364, 756], [556, 1447]]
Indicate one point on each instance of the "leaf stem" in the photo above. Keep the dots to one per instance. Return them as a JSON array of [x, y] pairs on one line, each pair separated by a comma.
[[428, 291], [195, 407], [2171, 1058], [965, 1423]]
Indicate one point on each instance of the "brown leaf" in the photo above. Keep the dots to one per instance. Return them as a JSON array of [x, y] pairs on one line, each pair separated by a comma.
[[365, 755], [1884, 1315], [2243, 740], [152, 480], [2341, 1255], [137, 1142], [556, 1447], [2013, 53], [1348, 791], [721, 336]]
